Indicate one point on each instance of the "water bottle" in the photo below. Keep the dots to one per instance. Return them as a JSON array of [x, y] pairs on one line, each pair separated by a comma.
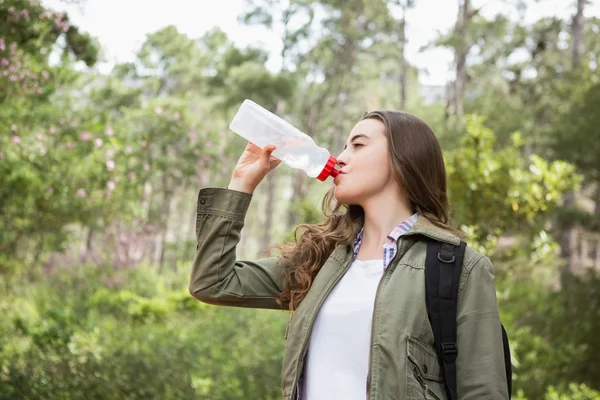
[[294, 148]]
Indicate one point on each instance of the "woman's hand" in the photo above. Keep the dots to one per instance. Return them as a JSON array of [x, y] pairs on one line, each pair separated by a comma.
[[252, 167]]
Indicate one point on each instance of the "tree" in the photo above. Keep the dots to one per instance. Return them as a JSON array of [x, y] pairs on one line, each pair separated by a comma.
[[402, 41], [323, 62], [576, 140], [33, 160], [496, 193]]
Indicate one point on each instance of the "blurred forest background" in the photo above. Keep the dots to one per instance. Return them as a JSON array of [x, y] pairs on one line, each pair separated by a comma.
[[99, 175]]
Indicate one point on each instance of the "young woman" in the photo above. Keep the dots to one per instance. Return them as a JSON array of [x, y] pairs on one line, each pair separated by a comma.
[[356, 282]]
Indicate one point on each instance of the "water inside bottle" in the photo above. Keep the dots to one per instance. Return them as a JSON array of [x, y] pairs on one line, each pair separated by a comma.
[[293, 147], [297, 152]]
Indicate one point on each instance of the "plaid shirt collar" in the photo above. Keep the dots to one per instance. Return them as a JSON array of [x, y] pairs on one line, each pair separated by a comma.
[[389, 248]]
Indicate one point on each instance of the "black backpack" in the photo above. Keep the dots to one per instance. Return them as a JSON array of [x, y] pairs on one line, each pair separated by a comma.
[[442, 274]]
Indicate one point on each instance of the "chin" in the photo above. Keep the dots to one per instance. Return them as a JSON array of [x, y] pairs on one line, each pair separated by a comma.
[[344, 197]]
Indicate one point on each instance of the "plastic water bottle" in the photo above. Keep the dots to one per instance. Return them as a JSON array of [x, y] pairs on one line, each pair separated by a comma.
[[294, 148]]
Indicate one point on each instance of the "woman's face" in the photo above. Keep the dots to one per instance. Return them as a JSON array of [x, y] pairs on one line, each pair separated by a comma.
[[364, 163]]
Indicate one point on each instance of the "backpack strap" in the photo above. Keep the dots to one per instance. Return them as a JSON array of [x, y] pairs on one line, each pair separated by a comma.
[[443, 266], [507, 361]]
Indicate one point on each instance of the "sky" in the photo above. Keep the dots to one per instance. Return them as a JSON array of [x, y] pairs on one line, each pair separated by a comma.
[[110, 21]]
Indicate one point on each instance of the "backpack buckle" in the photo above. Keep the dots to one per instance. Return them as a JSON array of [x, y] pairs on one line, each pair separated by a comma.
[[446, 254], [450, 351]]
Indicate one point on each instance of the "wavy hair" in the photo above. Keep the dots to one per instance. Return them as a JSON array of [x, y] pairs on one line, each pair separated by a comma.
[[418, 167]]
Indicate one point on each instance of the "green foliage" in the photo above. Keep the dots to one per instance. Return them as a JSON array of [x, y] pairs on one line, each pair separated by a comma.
[[574, 392], [36, 147], [124, 153], [103, 169], [99, 333], [498, 192], [553, 332], [577, 134]]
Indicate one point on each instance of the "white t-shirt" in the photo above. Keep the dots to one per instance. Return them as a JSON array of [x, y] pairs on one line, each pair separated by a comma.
[[337, 361]]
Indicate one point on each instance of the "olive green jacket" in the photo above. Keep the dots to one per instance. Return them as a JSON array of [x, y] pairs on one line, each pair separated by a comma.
[[403, 361]]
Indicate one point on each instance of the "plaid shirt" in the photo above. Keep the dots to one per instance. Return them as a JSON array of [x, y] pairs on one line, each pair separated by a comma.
[[389, 248], [389, 251]]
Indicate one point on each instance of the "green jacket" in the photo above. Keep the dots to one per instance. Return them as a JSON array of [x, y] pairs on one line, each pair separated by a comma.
[[403, 362]]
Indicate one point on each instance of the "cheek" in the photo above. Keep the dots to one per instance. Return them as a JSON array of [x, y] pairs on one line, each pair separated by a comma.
[[370, 173], [376, 169]]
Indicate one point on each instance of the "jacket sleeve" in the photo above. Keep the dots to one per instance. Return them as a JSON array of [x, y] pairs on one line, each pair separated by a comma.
[[480, 366], [217, 277]]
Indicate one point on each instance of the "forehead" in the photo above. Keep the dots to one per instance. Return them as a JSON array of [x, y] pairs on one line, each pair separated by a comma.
[[371, 127]]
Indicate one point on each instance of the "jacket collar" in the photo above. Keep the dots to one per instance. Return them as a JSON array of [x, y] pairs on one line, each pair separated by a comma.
[[425, 227]]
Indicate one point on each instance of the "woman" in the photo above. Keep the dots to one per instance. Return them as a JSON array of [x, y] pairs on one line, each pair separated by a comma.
[[355, 282]]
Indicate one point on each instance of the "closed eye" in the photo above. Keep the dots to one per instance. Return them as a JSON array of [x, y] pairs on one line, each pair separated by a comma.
[[357, 144]]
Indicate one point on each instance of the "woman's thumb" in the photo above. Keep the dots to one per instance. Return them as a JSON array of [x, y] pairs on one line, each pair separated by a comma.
[[266, 153]]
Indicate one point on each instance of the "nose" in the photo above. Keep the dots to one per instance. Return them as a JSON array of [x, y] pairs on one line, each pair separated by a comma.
[[342, 159]]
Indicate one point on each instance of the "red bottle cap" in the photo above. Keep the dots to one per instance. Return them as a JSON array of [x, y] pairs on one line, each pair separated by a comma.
[[329, 169]]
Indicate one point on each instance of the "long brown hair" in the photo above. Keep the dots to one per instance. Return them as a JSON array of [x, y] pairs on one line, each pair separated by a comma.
[[418, 167]]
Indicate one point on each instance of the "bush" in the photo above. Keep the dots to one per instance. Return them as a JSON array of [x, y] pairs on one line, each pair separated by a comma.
[[104, 334]]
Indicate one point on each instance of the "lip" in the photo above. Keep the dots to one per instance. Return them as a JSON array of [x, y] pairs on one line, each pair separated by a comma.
[[337, 178]]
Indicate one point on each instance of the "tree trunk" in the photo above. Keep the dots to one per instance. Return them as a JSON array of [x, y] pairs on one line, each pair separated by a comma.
[[339, 133], [460, 31], [597, 200], [566, 242], [88, 245], [271, 193], [327, 95], [163, 219], [449, 100], [171, 203], [299, 188], [459, 84], [403, 66], [269, 210], [577, 36], [300, 180]]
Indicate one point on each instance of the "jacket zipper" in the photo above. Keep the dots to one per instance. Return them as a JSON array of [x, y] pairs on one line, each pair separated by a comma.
[[390, 267], [324, 295]]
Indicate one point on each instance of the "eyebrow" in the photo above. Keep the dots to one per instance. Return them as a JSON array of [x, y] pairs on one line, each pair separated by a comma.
[[357, 136]]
